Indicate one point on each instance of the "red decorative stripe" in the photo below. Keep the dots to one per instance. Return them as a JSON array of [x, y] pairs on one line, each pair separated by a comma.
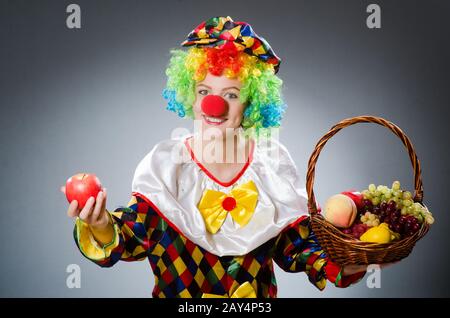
[[332, 271], [210, 175], [154, 207], [296, 222], [313, 273]]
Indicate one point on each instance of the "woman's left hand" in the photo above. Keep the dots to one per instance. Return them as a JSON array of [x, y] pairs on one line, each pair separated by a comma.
[[353, 269]]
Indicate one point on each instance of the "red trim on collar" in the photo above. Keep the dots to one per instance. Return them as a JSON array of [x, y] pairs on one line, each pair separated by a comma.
[[210, 175], [161, 215]]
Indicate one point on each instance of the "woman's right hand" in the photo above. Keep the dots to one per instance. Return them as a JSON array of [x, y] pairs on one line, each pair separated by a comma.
[[93, 213]]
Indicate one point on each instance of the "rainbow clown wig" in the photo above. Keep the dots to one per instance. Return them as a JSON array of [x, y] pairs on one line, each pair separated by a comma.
[[221, 46]]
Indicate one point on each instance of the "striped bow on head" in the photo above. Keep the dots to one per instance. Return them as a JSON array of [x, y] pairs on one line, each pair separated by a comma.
[[223, 31]]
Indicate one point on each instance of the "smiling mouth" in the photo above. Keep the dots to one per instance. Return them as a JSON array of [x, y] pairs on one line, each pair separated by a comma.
[[213, 120]]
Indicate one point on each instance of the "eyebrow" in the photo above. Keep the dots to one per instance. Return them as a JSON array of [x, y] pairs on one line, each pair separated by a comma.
[[223, 89], [205, 86]]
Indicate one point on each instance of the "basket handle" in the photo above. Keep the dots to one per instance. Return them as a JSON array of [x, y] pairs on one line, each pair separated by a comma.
[[418, 189]]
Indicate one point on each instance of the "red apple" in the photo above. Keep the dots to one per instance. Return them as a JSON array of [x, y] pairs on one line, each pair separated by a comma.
[[81, 187], [357, 197]]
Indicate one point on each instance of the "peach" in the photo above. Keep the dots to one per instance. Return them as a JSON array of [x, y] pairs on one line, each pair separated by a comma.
[[340, 211]]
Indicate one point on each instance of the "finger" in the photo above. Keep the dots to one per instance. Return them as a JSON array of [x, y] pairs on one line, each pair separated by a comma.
[[104, 199], [73, 211], [353, 269], [105, 196], [62, 189], [86, 213], [98, 206]]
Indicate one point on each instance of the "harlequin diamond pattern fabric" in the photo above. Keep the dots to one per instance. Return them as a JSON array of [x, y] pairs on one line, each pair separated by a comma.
[[184, 269]]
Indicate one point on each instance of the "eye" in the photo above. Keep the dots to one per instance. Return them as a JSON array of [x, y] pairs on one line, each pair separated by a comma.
[[203, 92], [231, 95]]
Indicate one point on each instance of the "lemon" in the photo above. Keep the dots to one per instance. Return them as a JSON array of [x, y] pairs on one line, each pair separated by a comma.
[[384, 225], [377, 234]]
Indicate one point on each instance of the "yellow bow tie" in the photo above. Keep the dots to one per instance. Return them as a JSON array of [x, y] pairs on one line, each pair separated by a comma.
[[240, 203], [245, 290]]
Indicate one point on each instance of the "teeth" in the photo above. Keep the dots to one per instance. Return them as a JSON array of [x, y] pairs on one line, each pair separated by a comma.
[[214, 120]]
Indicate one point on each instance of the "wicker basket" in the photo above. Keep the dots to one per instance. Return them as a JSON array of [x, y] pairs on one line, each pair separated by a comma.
[[342, 248]]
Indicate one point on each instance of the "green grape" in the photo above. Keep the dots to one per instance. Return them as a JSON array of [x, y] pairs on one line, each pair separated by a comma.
[[417, 206], [367, 195], [370, 219], [388, 195], [377, 193], [380, 188], [396, 185], [372, 187], [407, 195], [404, 210], [407, 202], [376, 201], [382, 198], [397, 194], [420, 219], [410, 209], [429, 219]]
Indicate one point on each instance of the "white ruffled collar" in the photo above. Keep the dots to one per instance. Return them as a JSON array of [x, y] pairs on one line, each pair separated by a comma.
[[175, 188]]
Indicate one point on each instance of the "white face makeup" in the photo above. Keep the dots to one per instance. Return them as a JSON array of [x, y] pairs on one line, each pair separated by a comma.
[[229, 90]]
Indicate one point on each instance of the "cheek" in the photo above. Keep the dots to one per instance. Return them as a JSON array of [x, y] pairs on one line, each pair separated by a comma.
[[196, 107], [237, 110]]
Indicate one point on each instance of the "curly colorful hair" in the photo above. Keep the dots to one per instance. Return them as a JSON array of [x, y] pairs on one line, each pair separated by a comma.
[[261, 88]]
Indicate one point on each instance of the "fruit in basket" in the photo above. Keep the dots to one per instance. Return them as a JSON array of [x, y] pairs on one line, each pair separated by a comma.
[[378, 234], [390, 203], [370, 219], [356, 230], [379, 210], [340, 210], [357, 197]]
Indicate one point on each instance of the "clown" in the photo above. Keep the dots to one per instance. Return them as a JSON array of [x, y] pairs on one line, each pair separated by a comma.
[[213, 228]]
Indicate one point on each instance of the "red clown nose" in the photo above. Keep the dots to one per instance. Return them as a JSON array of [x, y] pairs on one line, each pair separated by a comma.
[[214, 105]]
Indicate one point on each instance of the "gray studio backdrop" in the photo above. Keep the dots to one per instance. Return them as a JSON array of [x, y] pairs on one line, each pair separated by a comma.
[[90, 100]]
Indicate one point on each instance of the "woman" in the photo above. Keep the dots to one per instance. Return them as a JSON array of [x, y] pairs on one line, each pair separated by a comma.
[[212, 211]]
